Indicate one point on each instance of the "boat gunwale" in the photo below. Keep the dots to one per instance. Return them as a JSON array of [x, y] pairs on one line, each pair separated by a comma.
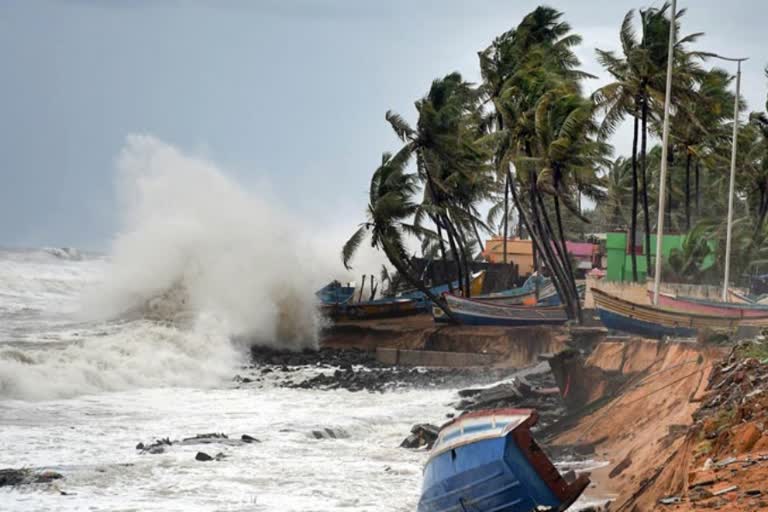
[[505, 306], [648, 308]]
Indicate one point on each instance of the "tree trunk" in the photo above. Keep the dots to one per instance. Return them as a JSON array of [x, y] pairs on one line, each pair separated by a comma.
[[559, 263], [687, 190], [644, 175], [572, 277], [442, 251], [396, 261], [633, 224], [553, 264], [462, 245], [697, 188], [523, 218], [506, 217], [480, 245], [454, 252]]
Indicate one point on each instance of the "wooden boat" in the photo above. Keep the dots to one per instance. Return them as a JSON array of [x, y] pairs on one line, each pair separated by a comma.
[[475, 287], [711, 307], [478, 312], [656, 322], [548, 296], [335, 293], [382, 308], [488, 461]]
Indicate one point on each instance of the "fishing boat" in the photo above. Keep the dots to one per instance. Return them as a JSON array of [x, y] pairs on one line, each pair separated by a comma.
[[487, 461], [522, 295], [479, 312], [656, 322], [381, 308], [711, 307], [335, 293], [475, 287]]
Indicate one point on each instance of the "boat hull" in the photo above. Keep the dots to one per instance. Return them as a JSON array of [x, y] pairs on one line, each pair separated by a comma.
[[707, 307], [490, 462], [647, 320], [478, 312], [618, 322], [374, 310]]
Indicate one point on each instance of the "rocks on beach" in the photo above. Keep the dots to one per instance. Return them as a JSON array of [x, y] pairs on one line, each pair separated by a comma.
[[160, 445], [14, 477], [356, 370], [422, 434]]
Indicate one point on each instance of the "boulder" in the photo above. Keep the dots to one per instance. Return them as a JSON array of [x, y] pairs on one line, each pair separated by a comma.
[[422, 434], [203, 457]]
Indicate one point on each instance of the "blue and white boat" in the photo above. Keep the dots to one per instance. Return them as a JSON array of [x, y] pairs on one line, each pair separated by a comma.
[[335, 293], [487, 461]]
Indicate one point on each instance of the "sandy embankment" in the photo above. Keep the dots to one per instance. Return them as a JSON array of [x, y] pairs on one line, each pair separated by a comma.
[[639, 431]]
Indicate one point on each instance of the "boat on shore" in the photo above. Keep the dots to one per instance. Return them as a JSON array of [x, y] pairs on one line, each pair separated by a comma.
[[376, 309], [479, 312], [653, 321], [488, 461], [335, 293], [475, 287], [711, 307]]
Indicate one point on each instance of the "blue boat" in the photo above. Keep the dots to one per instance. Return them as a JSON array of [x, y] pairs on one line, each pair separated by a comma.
[[335, 293], [656, 322], [487, 461], [480, 312]]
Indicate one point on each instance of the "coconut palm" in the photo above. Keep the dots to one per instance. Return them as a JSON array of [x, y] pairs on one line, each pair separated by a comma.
[[452, 164], [639, 89], [521, 71], [389, 210]]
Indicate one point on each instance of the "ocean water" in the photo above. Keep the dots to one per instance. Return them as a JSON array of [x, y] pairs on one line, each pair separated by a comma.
[[77, 395]]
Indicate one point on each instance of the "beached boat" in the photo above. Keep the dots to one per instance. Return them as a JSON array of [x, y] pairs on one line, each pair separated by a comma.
[[479, 312], [656, 322], [487, 461], [711, 307], [475, 287], [382, 308], [335, 293]]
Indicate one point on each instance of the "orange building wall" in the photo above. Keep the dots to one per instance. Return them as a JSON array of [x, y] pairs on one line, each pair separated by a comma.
[[519, 252]]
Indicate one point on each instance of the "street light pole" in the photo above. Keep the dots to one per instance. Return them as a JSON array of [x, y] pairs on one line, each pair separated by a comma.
[[733, 176], [664, 141]]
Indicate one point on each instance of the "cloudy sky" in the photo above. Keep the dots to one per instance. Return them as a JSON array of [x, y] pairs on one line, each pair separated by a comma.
[[287, 95]]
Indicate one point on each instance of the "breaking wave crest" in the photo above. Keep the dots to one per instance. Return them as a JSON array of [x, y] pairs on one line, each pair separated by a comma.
[[193, 244], [188, 227]]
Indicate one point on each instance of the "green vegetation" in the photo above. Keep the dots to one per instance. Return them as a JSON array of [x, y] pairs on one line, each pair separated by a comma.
[[531, 144]]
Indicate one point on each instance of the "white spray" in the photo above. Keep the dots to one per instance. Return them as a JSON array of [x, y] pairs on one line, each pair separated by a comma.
[[244, 267]]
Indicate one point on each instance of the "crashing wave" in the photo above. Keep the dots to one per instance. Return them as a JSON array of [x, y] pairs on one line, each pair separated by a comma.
[[65, 253]]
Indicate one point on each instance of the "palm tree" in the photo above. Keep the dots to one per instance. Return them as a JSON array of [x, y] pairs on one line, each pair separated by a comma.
[[639, 89], [698, 123], [618, 190], [452, 164], [531, 77], [389, 208]]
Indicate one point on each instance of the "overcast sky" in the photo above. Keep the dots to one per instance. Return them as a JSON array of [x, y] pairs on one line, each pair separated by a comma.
[[287, 93]]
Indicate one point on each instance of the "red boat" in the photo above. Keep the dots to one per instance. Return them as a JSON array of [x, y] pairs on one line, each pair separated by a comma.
[[756, 314]]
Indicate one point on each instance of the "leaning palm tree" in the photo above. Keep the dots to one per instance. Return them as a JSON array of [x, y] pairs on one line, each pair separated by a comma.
[[452, 165], [522, 69], [390, 207]]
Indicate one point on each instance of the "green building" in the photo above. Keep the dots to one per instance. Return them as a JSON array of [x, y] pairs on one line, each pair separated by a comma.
[[620, 257]]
